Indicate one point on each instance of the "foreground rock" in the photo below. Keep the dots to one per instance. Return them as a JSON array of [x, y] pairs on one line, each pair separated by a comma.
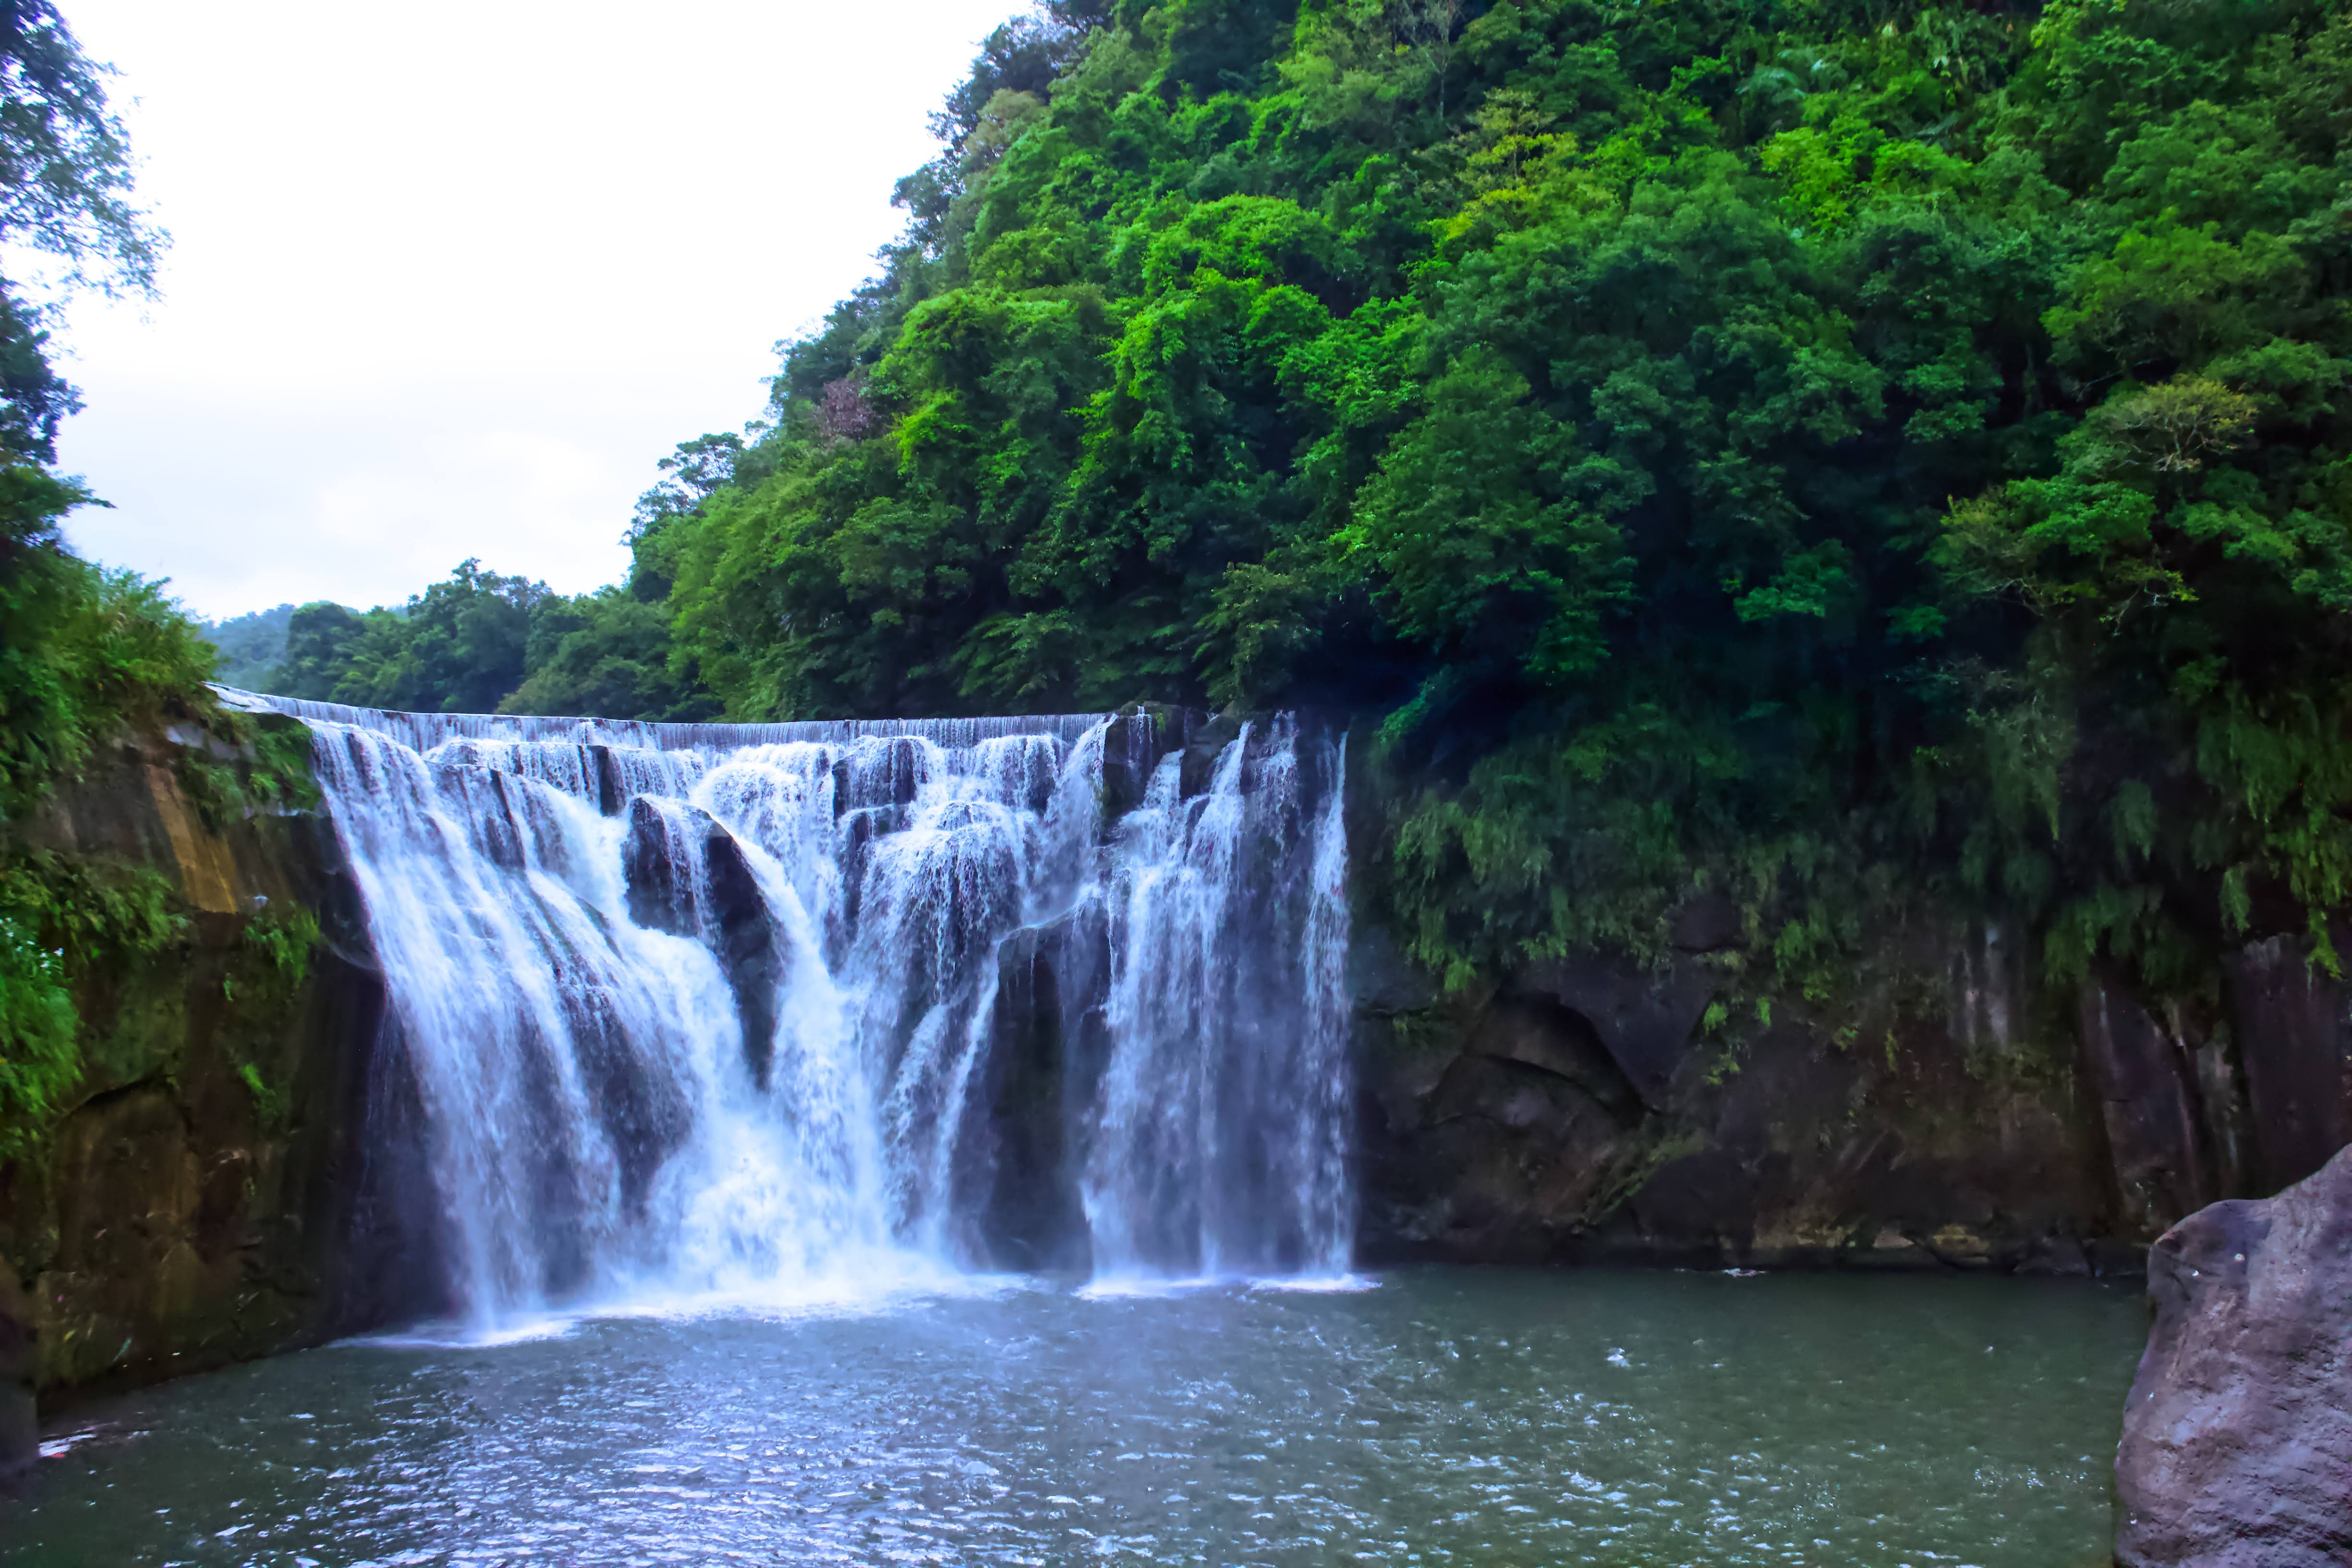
[[2237, 1445]]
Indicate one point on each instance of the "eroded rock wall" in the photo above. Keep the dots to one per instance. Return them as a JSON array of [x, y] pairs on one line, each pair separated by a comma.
[[227, 1179], [1583, 1112]]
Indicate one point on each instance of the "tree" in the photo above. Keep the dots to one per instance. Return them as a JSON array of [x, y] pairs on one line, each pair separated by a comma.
[[66, 196]]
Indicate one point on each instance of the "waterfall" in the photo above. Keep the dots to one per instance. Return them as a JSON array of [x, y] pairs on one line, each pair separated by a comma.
[[813, 1009], [1219, 1142]]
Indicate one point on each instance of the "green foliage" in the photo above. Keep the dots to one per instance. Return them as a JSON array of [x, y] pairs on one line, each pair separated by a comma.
[[38, 1058], [270, 1107], [606, 653], [481, 643], [284, 941], [63, 919], [1841, 459], [457, 647], [270, 771], [273, 960], [99, 911], [83, 650], [1833, 459]]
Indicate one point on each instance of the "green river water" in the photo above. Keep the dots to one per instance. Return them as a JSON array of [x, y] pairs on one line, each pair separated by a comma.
[[1441, 1415]]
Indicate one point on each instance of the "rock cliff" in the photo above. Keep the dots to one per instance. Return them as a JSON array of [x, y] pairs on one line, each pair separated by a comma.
[[1583, 1110], [224, 1180]]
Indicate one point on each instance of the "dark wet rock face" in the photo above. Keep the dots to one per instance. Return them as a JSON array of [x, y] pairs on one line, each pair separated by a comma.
[[612, 790], [642, 1112], [20, 1366], [2237, 1443], [1131, 750], [2295, 1032], [749, 949], [1024, 1159], [1582, 1114], [1642, 1020], [241, 1169], [653, 861], [658, 863], [2154, 1105]]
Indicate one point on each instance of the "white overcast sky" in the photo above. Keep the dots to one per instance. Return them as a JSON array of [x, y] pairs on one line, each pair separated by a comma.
[[448, 280]]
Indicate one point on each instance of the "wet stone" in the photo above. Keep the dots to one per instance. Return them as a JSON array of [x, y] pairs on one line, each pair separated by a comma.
[[749, 947], [661, 897]]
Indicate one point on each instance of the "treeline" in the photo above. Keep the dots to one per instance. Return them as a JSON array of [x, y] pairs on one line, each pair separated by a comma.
[[482, 643]]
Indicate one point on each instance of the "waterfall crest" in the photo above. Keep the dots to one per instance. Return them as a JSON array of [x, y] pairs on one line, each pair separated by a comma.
[[811, 1009]]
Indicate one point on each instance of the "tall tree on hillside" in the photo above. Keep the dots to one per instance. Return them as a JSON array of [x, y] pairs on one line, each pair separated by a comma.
[[66, 210], [83, 651], [65, 196]]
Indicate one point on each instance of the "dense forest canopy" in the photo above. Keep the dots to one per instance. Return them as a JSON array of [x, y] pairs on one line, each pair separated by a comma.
[[1840, 454]]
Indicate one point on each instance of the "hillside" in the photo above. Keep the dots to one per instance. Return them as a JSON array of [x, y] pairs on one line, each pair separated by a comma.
[[1839, 455]]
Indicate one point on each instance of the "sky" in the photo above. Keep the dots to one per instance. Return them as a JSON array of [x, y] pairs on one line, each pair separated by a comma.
[[450, 280]]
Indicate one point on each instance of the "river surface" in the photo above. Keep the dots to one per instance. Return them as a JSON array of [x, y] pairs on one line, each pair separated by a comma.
[[1440, 1415]]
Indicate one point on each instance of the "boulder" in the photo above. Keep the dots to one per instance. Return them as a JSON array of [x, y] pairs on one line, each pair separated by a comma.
[[20, 1364], [2237, 1442]]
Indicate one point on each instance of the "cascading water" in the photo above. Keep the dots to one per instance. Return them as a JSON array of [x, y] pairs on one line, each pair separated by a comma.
[[1219, 1145], [712, 1009]]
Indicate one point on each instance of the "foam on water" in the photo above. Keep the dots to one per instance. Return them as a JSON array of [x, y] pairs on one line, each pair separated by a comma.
[[708, 1014]]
